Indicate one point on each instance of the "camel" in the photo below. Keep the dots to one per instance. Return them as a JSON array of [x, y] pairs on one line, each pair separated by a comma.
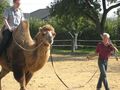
[[25, 55]]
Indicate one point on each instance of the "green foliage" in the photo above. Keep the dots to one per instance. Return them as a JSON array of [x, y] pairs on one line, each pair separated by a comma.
[[111, 28], [65, 7], [66, 24], [84, 26], [88, 8], [112, 1], [75, 8], [68, 51], [118, 27], [3, 5], [56, 23], [35, 24]]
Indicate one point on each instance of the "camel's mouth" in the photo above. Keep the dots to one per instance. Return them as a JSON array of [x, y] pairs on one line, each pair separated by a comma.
[[49, 37], [51, 42]]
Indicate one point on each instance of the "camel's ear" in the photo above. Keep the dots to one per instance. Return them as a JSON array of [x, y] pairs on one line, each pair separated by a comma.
[[25, 25], [40, 28]]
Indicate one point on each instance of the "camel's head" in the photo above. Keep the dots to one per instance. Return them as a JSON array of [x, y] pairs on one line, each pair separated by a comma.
[[48, 33]]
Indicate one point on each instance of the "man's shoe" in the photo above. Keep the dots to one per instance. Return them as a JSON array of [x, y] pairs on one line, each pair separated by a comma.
[[98, 89], [108, 89]]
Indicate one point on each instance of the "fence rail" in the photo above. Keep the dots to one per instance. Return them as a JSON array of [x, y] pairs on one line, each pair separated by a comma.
[[81, 43]]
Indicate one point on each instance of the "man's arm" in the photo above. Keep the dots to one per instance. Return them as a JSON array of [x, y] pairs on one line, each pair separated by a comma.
[[115, 50], [5, 18], [7, 24]]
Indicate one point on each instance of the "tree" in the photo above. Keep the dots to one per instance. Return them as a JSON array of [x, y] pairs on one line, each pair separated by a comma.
[[87, 8], [3, 5], [118, 22], [74, 26], [35, 25], [111, 27]]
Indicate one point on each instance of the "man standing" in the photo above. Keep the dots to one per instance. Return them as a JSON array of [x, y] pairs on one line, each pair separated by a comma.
[[12, 18], [104, 50]]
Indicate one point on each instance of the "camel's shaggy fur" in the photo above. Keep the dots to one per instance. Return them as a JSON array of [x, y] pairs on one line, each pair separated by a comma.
[[24, 63]]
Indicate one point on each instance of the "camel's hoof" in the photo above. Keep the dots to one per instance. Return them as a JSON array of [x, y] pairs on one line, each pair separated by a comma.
[[22, 89]]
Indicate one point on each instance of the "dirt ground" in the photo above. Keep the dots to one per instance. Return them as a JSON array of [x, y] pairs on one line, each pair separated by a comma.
[[75, 71]]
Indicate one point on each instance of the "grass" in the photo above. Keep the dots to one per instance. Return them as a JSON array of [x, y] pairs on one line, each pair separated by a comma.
[[78, 51], [81, 51]]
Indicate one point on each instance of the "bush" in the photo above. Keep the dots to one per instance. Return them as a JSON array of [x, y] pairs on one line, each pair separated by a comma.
[[3, 5], [35, 24]]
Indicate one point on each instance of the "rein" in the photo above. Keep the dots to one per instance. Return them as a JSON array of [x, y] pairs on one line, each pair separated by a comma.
[[55, 70], [28, 50], [81, 86]]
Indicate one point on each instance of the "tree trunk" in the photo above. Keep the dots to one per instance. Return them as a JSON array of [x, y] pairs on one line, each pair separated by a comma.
[[99, 28], [118, 31], [74, 41], [73, 45], [76, 35]]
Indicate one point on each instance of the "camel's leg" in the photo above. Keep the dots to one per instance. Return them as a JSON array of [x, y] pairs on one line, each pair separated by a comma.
[[22, 82], [19, 75], [28, 76], [2, 74]]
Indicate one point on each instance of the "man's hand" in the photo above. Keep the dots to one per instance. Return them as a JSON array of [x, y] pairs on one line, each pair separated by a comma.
[[88, 57], [116, 55], [12, 29], [117, 58]]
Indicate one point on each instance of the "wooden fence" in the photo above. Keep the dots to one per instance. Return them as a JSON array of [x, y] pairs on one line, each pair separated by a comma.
[[81, 43]]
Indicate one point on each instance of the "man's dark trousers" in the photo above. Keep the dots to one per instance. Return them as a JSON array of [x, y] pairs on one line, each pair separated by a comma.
[[5, 40], [103, 78]]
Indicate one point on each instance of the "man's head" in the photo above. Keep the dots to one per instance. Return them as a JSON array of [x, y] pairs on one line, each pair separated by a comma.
[[106, 38], [106, 35], [16, 3]]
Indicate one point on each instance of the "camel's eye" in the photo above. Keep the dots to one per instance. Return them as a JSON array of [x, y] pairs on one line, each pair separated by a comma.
[[44, 33]]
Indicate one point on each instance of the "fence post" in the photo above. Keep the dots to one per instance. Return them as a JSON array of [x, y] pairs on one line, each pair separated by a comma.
[[73, 45]]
